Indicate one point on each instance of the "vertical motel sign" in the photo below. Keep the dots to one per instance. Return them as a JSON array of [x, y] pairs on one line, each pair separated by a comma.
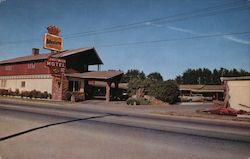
[[53, 41], [57, 66]]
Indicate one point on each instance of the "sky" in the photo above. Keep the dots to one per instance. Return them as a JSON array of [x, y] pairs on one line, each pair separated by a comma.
[[165, 36]]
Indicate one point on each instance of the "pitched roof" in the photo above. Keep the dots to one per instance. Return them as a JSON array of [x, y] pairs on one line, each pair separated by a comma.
[[96, 75], [62, 54], [26, 58]]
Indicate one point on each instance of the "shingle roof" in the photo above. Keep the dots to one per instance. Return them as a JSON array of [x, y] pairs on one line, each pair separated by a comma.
[[65, 53], [26, 58]]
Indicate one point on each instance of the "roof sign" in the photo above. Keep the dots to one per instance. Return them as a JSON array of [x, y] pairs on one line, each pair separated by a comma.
[[52, 40]]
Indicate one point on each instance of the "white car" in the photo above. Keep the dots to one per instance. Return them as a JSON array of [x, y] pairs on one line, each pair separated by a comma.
[[193, 98]]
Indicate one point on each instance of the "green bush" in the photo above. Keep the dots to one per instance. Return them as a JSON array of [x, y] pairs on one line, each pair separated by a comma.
[[35, 94], [167, 91], [143, 101], [135, 84], [132, 101], [138, 101]]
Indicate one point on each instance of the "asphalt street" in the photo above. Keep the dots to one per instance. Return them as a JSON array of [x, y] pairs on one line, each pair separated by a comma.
[[97, 135]]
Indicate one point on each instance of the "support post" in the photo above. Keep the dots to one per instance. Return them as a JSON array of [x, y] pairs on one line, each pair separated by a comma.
[[108, 90], [82, 86], [116, 89]]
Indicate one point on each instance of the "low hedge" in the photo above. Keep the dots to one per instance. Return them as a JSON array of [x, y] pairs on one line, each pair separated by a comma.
[[29, 94]]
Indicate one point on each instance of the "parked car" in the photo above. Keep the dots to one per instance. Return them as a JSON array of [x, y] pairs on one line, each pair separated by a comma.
[[193, 98]]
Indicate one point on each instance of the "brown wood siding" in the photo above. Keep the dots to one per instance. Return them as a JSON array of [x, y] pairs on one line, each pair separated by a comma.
[[22, 69]]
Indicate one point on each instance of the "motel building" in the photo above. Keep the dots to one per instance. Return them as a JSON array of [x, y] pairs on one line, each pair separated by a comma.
[[58, 72]]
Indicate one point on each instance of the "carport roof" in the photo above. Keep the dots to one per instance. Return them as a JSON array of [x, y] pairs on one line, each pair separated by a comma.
[[97, 75]]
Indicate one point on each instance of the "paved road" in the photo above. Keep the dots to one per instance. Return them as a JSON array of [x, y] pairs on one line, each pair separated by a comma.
[[96, 135]]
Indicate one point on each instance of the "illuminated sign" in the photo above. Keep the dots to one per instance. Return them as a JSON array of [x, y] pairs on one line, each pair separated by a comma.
[[52, 42], [57, 66]]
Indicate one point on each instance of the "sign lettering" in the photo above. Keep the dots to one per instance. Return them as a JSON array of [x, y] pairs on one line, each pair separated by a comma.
[[57, 66], [52, 42]]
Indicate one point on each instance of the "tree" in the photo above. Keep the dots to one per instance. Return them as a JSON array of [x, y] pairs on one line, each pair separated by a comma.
[[131, 74], [155, 76], [137, 83], [206, 76], [179, 80], [216, 77]]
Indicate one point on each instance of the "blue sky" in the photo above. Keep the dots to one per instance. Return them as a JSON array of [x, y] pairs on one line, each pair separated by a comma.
[[23, 23]]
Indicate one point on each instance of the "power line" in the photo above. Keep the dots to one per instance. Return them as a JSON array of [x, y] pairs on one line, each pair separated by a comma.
[[144, 25], [175, 39], [173, 18]]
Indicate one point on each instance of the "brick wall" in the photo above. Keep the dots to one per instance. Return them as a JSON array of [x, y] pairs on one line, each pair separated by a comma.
[[59, 88]]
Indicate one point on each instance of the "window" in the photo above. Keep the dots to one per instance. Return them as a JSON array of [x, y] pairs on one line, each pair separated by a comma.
[[8, 68], [74, 86], [3, 83], [31, 65], [23, 84]]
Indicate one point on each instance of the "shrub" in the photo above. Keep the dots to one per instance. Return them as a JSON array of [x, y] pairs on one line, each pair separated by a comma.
[[50, 96], [79, 96], [30, 94], [132, 101], [17, 92], [68, 95], [143, 101], [25, 94], [33, 94], [138, 101], [166, 91], [45, 95], [135, 84], [3, 92]]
